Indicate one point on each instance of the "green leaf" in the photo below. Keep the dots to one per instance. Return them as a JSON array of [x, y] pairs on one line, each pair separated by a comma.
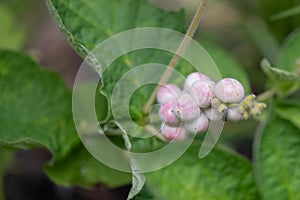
[[262, 37], [87, 23], [278, 74], [289, 110], [227, 64], [12, 35], [221, 175], [286, 13], [281, 28], [81, 168], [289, 56], [284, 81], [35, 107], [36, 111], [277, 161]]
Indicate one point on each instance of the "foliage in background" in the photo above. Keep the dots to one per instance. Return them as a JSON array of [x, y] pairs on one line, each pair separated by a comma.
[[11, 34], [36, 109]]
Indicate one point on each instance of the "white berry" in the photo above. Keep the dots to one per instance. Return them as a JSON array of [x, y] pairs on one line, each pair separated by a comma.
[[229, 90], [173, 133], [167, 92], [198, 125], [194, 77], [167, 115], [233, 114], [202, 92], [213, 114], [186, 107]]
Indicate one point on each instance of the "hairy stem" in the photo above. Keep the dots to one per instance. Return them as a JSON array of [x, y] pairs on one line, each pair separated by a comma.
[[188, 36]]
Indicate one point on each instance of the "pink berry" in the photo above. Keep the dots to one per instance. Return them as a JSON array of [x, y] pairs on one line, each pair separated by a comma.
[[202, 92], [229, 90], [194, 77], [186, 107], [233, 114], [198, 125], [167, 115], [213, 114], [173, 133], [167, 92]]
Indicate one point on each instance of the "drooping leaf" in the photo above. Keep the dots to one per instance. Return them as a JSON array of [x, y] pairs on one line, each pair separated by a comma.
[[36, 111], [35, 107], [221, 175], [277, 161]]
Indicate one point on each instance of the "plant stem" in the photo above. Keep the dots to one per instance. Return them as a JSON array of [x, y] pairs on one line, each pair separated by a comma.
[[188, 36], [155, 132], [267, 94]]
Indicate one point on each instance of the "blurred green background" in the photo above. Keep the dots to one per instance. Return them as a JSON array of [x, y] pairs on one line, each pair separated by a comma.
[[245, 31]]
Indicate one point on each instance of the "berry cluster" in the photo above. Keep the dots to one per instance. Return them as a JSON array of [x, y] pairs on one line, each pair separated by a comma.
[[202, 100]]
